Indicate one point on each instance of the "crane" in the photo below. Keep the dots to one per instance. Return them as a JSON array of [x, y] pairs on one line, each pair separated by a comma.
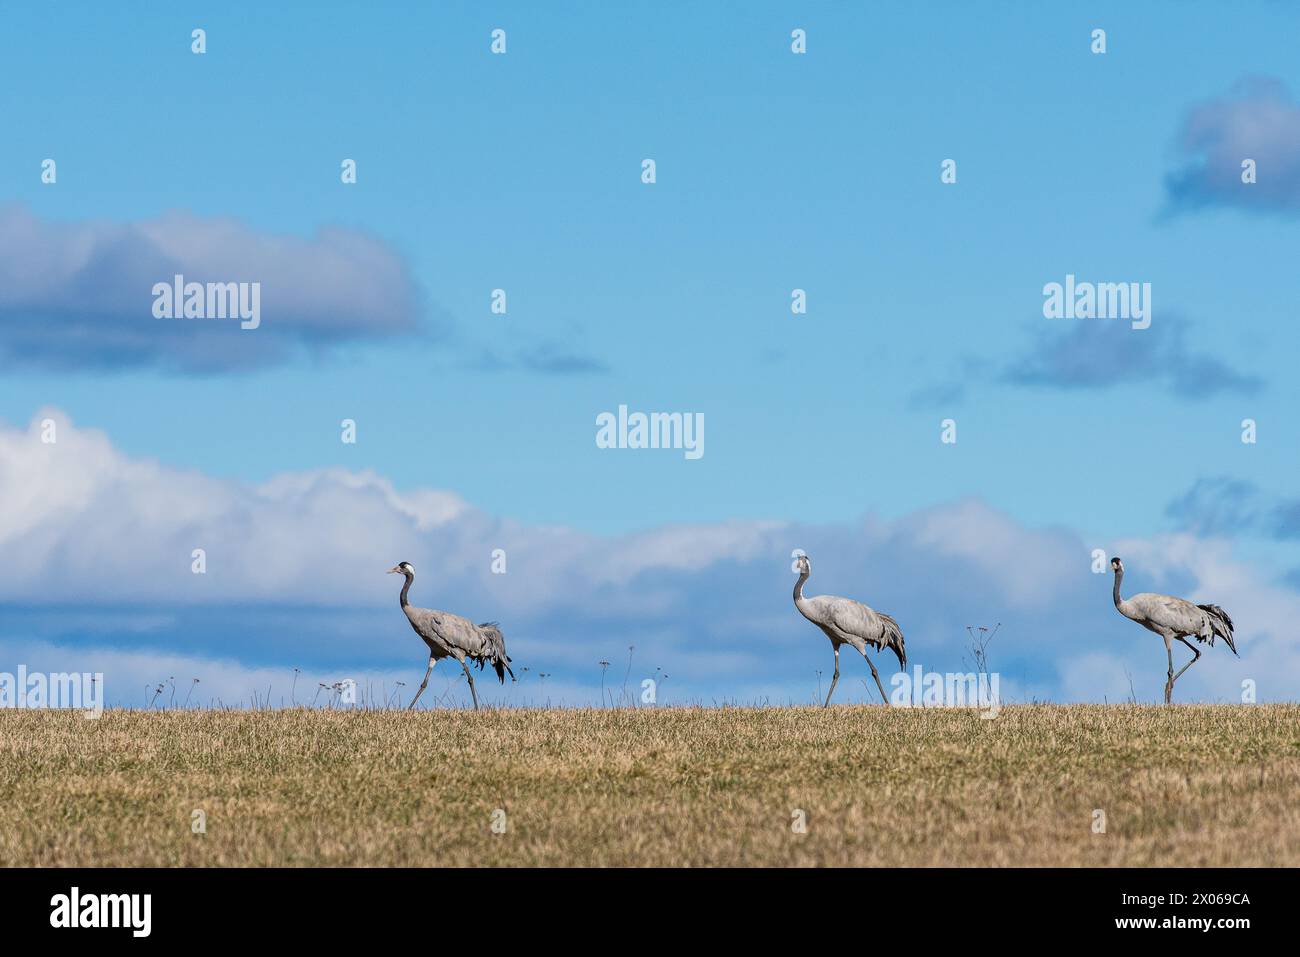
[[1174, 618], [451, 636], [848, 622]]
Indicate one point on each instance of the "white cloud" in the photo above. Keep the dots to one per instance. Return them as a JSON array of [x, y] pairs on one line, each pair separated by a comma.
[[1257, 120], [79, 295], [296, 578]]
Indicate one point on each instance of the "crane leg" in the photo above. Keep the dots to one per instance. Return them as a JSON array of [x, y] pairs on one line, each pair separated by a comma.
[[423, 685], [1195, 651], [834, 678], [473, 693], [1169, 685], [876, 674]]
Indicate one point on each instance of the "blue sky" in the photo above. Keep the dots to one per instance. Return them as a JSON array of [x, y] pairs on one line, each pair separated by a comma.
[[775, 171]]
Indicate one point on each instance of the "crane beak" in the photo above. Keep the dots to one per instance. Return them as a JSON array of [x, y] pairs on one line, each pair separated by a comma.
[[394, 570]]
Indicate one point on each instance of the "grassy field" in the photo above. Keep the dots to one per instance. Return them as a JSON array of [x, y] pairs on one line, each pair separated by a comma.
[[1181, 785]]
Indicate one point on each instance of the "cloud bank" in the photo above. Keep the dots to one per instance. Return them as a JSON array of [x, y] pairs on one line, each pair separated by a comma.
[[1095, 355], [1223, 506], [79, 295], [1098, 354], [96, 561]]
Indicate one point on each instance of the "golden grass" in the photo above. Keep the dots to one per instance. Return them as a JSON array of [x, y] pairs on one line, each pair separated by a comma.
[[1180, 785]]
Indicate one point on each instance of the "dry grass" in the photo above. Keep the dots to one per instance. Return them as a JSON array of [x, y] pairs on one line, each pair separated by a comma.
[[1198, 785]]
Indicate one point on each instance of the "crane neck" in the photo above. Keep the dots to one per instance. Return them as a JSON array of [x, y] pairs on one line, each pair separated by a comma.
[[798, 588], [406, 588], [1119, 577]]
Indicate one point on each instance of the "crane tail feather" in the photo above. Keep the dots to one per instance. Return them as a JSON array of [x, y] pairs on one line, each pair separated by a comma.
[[1220, 624], [892, 638], [494, 651]]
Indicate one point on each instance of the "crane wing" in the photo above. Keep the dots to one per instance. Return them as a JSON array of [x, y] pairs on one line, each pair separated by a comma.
[[1176, 614], [855, 618], [1206, 622]]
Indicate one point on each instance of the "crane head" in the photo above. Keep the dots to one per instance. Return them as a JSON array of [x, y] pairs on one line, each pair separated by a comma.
[[802, 565], [402, 568], [1117, 564]]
